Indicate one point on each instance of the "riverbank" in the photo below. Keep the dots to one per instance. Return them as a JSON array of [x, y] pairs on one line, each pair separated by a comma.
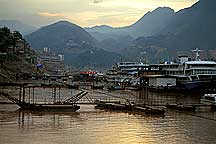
[[10, 70]]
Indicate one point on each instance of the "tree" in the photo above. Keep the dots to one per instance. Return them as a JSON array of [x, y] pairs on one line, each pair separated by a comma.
[[17, 35], [6, 39]]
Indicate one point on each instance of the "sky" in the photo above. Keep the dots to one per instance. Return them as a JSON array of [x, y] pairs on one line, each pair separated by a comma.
[[86, 13]]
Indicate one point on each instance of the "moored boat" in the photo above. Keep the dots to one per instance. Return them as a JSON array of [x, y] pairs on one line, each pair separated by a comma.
[[181, 107], [49, 107], [209, 99]]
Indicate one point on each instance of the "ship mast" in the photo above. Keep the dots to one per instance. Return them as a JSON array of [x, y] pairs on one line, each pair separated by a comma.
[[197, 55]]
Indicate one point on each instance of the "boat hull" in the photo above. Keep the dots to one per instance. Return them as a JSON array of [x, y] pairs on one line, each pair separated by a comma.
[[50, 107]]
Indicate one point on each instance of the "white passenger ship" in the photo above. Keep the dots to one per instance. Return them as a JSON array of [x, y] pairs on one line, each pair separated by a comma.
[[191, 74]]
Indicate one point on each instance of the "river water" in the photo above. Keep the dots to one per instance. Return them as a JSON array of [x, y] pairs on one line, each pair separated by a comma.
[[92, 126]]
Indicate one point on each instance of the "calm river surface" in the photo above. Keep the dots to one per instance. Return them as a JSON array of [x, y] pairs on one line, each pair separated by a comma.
[[91, 126]]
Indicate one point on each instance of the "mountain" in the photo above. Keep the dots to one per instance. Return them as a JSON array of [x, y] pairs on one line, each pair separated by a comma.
[[116, 44], [193, 27], [150, 24], [60, 37], [190, 28], [17, 25], [95, 59], [78, 46], [104, 32], [117, 39], [100, 29]]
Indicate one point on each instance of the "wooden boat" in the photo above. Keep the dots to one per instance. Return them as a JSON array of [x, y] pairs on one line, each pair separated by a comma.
[[49, 107], [112, 106], [181, 107], [155, 111], [150, 110]]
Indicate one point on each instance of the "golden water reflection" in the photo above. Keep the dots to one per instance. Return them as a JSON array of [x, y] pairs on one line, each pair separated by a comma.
[[102, 127]]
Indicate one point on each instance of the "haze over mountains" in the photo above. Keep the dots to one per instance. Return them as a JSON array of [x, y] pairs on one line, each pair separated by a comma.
[[61, 36], [78, 46], [188, 29], [193, 27], [162, 34], [17, 25], [150, 24]]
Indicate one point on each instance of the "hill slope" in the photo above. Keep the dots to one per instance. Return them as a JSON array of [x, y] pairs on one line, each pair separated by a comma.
[[188, 29], [193, 27], [61, 36]]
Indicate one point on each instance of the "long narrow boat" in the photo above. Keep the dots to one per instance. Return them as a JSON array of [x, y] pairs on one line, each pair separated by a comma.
[[181, 107], [49, 107], [63, 107]]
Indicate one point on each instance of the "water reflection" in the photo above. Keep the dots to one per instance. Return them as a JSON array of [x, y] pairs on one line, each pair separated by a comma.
[[103, 127], [91, 126]]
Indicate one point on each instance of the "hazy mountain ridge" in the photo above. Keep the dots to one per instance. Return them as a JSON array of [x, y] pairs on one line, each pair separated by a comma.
[[78, 46], [60, 36], [193, 27], [117, 39], [17, 25], [165, 35], [150, 24], [188, 29]]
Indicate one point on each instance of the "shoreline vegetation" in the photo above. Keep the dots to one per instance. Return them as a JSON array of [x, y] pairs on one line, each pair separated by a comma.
[[16, 56]]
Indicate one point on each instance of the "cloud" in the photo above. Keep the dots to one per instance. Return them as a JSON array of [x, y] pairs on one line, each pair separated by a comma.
[[97, 1], [43, 18], [48, 14], [84, 12]]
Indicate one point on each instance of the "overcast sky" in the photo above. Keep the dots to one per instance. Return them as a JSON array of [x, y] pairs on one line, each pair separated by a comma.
[[85, 13]]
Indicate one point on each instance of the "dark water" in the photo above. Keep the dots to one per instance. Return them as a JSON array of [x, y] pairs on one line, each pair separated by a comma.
[[91, 126]]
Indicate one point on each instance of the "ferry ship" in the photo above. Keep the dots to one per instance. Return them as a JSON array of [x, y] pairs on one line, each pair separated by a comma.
[[188, 74], [192, 75]]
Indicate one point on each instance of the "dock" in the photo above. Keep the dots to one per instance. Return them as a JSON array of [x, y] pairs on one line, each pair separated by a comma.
[[26, 99]]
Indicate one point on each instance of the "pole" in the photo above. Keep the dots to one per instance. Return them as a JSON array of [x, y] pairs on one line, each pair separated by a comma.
[[29, 95], [33, 95], [23, 94], [20, 94], [59, 94], [54, 94]]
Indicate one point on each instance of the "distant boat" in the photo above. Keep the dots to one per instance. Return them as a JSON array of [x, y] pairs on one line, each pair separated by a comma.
[[181, 107], [115, 87], [209, 99]]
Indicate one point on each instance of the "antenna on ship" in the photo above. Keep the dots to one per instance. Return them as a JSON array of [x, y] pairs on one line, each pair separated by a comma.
[[197, 56]]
